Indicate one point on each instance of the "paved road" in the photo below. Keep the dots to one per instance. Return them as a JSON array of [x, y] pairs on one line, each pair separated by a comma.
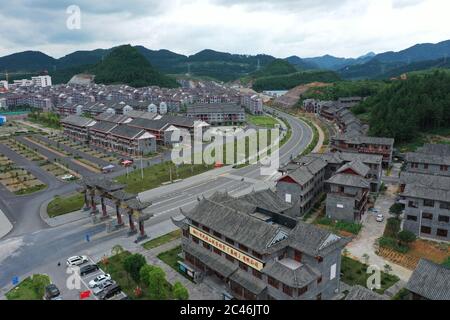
[[25, 252]]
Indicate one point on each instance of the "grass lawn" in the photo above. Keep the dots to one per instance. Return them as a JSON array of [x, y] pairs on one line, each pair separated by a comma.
[[262, 121], [32, 288], [62, 205], [162, 240], [30, 190], [171, 258], [155, 175], [355, 273]]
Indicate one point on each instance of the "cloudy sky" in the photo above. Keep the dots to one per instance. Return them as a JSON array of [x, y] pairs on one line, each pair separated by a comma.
[[281, 28]]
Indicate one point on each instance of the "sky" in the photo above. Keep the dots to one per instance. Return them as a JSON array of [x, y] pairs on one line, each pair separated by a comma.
[[306, 28]]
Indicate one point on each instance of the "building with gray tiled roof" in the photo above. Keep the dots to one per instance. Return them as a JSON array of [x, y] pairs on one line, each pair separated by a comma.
[[360, 293], [429, 281], [257, 253]]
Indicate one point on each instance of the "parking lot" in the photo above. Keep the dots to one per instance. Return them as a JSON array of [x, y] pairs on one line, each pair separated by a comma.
[[63, 277]]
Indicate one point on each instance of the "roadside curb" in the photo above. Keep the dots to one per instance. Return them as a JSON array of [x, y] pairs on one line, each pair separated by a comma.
[[54, 222], [6, 225]]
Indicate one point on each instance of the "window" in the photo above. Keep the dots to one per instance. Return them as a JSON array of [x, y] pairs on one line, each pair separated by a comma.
[[288, 198], [206, 246], [217, 235], [243, 266], [273, 282], [195, 240], [319, 280], [243, 248], [445, 205], [229, 241], [195, 223], [217, 251], [425, 166], [319, 259], [426, 230], [206, 229], [256, 255], [442, 233], [427, 216], [185, 233], [428, 203], [333, 272], [298, 256], [257, 274], [445, 219], [302, 291], [411, 218], [444, 168], [229, 258], [287, 290], [413, 204]]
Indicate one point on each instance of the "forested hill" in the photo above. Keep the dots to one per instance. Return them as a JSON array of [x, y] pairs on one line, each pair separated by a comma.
[[126, 64], [407, 108]]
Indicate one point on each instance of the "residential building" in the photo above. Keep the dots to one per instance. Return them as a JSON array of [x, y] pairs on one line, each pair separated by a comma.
[[42, 81], [132, 141], [360, 293], [356, 143], [430, 159], [429, 281], [302, 186], [349, 192], [258, 254], [218, 114], [77, 128], [252, 103]]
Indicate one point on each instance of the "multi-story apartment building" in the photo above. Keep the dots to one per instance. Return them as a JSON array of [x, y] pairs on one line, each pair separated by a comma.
[[42, 81], [259, 253], [302, 186], [348, 194], [218, 114], [252, 103], [356, 143], [430, 159], [132, 141], [77, 127]]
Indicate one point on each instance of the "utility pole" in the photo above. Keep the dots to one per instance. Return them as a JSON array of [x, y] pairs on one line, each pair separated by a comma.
[[170, 173], [142, 165]]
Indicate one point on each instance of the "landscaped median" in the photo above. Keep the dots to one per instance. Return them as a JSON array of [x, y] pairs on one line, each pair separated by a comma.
[[62, 205], [262, 121], [174, 235], [32, 288]]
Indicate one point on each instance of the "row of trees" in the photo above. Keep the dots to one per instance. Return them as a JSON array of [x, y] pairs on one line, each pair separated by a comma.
[[48, 119], [154, 279], [404, 109], [340, 89]]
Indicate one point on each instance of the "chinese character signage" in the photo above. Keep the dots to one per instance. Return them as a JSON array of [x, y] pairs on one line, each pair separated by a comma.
[[237, 254]]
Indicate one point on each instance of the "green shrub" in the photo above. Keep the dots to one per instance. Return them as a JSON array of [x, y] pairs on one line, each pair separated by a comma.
[[351, 227], [325, 221]]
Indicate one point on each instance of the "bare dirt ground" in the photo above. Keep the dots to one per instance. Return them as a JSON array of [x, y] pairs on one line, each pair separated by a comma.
[[291, 98]]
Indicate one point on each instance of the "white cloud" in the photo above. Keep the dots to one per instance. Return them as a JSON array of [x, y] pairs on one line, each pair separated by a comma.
[[279, 27]]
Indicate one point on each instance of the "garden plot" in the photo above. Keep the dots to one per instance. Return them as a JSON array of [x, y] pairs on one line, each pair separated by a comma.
[[20, 181], [57, 171], [24, 151]]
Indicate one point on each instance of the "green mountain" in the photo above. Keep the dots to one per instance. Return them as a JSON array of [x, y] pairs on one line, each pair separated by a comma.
[[125, 64], [275, 68], [289, 81], [404, 109], [27, 61]]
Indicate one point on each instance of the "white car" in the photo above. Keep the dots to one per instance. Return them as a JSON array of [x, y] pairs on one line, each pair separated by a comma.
[[76, 261], [99, 280], [105, 285], [67, 177], [380, 218]]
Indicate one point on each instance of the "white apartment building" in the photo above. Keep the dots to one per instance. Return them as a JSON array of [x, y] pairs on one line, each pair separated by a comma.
[[42, 81], [4, 84]]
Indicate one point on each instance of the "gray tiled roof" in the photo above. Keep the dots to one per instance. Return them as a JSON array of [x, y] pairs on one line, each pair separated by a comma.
[[212, 108], [426, 180], [295, 278], [357, 138], [430, 280], [423, 192], [103, 126], [126, 131], [306, 172], [356, 166], [149, 124], [442, 150], [363, 294], [349, 180], [248, 281], [77, 121], [427, 158]]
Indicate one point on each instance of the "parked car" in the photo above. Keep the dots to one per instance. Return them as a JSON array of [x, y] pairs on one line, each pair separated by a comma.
[[99, 280], [76, 261], [52, 292], [68, 177], [88, 269], [110, 292], [380, 218], [103, 287]]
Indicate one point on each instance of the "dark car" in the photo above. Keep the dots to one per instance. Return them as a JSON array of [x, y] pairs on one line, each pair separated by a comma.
[[88, 269], [51, 292], [110, 292]]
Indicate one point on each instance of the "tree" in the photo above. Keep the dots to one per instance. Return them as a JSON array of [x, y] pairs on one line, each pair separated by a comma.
[[180, 292], [396, 209], [406, 237], [133, 265], [144, 274], [158, 286], [117, 249]]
